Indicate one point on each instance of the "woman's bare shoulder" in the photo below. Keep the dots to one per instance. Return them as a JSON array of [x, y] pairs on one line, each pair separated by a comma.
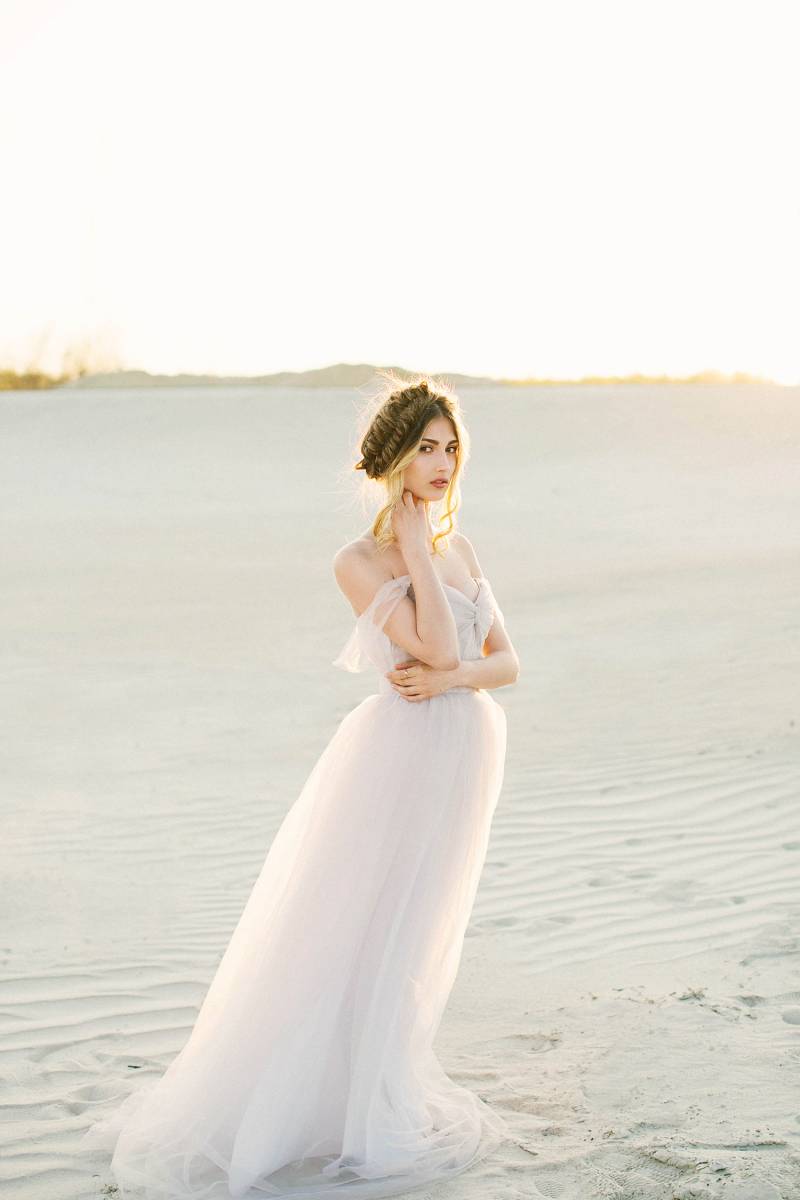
[[355, 557], [465, 548], [360, 571]]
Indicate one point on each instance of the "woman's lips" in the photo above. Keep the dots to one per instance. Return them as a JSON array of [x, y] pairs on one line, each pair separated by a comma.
[[440, 483]]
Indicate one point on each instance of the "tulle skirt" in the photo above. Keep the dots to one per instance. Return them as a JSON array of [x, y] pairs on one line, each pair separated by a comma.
[[310, 1070]]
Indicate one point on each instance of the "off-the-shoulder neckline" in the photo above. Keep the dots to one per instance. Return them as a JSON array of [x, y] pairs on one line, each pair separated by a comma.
[[479, 579]]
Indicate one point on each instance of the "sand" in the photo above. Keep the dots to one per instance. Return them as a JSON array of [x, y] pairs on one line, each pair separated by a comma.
[[629, 993]]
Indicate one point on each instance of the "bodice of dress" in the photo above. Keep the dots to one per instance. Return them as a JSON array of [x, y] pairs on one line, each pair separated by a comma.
[[368, 645]]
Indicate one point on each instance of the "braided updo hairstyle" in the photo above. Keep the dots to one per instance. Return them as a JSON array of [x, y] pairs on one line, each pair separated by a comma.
[[398, 417]]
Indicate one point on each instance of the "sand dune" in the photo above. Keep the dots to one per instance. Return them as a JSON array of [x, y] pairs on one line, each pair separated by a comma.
[[629, 993]]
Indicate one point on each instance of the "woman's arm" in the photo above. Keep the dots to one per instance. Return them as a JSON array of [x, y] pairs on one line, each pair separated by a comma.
[[429, 640], [435, 624], [425, 627], [499, 667], [495, 670]]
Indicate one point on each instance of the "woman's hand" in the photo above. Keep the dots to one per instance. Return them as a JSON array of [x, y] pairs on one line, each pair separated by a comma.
[[415, 680], [409, 524]]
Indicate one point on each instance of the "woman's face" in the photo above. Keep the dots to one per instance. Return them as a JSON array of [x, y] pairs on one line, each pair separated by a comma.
[[435, 459]]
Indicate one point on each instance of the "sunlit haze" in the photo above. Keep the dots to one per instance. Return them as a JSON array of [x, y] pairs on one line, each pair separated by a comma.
[[521, 189]]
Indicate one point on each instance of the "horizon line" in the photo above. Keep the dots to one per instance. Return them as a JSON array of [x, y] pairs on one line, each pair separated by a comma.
[[321, 377]]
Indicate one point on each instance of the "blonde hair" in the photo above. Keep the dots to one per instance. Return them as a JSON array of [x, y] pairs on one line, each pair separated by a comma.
[[392, 429]]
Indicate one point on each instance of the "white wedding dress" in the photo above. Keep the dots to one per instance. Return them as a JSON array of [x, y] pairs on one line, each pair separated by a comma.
[[310, 1070]]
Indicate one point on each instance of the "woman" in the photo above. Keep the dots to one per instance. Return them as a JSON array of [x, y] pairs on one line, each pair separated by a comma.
[[310, 1068]]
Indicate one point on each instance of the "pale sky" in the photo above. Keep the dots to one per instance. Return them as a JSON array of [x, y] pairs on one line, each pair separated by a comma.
[[504, 188]]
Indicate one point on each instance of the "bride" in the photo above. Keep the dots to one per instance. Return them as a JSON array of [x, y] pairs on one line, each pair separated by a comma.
[[310, 1070]]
